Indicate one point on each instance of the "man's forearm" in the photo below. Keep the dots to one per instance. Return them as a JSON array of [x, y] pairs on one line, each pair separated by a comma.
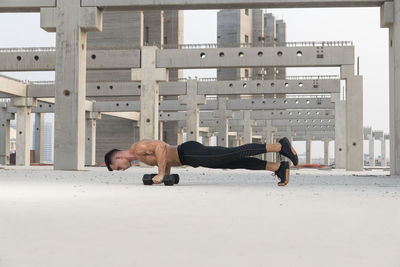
[[161, 155]]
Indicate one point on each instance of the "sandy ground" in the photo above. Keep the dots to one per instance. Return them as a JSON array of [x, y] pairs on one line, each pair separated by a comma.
[[212, 218]]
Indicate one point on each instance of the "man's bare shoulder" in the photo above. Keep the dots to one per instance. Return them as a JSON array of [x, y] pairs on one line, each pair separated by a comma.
[[146, 146]]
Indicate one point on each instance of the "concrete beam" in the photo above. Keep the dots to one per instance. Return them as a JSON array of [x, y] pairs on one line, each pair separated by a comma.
[[253, 87], [233, 104], [25, 5], [226, 4], [44, 59], [12, 86], [256, 57]]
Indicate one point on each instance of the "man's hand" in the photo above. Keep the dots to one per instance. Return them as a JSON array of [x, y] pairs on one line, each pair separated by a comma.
[[158, 179]]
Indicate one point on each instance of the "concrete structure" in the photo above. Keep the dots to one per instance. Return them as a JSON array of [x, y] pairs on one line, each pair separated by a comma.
[[39, 137], [86, 18]]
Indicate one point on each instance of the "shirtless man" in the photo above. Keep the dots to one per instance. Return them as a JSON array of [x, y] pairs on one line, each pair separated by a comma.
[[164, 156]]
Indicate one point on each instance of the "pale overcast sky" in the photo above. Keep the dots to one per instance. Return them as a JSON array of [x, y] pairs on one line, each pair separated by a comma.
[[360, 25]]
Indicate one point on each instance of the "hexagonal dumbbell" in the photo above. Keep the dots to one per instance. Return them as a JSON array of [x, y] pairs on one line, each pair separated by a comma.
[[169, 179]]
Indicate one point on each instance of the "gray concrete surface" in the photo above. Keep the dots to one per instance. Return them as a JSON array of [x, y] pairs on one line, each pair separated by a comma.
[[212, 218]]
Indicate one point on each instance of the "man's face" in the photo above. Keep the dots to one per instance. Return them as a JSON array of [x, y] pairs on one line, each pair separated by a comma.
[[120, 164]]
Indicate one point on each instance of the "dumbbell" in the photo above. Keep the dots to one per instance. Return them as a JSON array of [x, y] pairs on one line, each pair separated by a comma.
[[169, 179]]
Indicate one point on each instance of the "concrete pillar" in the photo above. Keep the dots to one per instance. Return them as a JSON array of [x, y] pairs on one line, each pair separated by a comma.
[[326, 152], [5, 118], [192, 101], [383, 151], [23, 131], [180, 136], [241, 141], [71, 22], [354, 118], [207, 140], [308, 151], [247, 133], [149, 76], [160, 130], [340, 131], [90, 152], [223, 116], [390, 18], [170, 132], [39, 137], [371, 150], [270, 130]]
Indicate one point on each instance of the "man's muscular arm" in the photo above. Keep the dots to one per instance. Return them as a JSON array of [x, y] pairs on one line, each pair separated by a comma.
[[157, 149], [161, 156]]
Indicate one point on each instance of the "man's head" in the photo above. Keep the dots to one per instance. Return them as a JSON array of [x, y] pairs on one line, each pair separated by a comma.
[[115, 160]]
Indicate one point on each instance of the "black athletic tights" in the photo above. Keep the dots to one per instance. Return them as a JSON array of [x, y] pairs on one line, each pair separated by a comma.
[[197, 155]]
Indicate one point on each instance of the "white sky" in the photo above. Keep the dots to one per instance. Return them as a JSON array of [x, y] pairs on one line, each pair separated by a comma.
[[360, 25]]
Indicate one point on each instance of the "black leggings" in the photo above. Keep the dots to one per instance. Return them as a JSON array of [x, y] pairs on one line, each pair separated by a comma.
[[197, 155]]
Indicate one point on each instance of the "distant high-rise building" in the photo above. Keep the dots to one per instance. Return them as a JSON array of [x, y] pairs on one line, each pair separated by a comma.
[[48, 149], [253, 27]]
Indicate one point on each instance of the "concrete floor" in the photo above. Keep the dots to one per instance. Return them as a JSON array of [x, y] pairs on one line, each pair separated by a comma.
[[212, 218]]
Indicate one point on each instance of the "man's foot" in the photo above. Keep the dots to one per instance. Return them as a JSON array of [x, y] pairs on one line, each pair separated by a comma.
[[288, 151], [283, 173]]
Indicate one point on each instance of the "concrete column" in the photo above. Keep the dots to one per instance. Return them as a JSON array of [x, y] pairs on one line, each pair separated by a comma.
[[180, 136], [90, 152], [23, 131], [160, 130], [340, 131], [149, 76], [383, 151], [170, 132], [192, 101], [207, 140], [223, 116], [5, 118], [308, 151], [354, 118], [247, 133], [39, 137], [235, 141], [390, 18], [371, 150], [270, 130], [326, 152], [241, 141], [71, 22]]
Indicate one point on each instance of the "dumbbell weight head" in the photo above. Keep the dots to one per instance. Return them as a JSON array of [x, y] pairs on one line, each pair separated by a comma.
[[176, 178], [148, 179]]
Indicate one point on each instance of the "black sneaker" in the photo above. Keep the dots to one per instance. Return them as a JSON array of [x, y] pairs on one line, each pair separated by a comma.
[[288, 151], [283, 173]]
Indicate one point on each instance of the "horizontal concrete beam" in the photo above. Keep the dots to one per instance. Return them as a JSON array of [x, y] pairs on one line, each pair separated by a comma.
[[285, 114], [256, 57], [13, 87], [253, 87], [233, 104], [293, 128], [262, 123], [269, 87], [44, 59], [256, 115], [224, 4], [25, 5]]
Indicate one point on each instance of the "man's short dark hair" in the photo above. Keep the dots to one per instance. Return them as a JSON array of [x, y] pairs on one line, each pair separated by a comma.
[[108, 157]]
